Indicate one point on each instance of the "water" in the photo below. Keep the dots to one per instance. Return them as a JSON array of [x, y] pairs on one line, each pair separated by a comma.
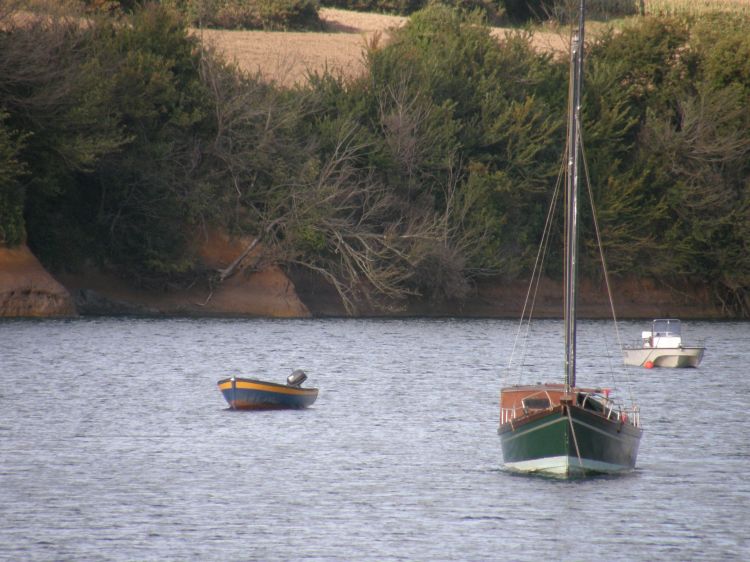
[[115, 444]]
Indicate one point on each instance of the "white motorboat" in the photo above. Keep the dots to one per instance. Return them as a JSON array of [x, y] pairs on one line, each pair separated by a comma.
[[662, 347]]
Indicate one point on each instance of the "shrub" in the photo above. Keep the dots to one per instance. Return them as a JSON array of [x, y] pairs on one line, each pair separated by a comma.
[[493, 9], [11, 190], [403, 7], [250, 14]]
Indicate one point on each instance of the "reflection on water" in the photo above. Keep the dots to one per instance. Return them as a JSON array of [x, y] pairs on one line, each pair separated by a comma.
[[116, 444]]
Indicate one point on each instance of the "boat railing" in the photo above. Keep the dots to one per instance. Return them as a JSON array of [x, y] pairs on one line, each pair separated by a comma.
[[610, 408], [630, 415], [509, 414], [659, 342], [639, 343]]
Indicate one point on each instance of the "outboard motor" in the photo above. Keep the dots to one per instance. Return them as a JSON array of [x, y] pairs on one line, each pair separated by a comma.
[[296, 378]]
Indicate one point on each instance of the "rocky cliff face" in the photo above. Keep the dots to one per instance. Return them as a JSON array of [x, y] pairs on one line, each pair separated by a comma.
[[27, 290]]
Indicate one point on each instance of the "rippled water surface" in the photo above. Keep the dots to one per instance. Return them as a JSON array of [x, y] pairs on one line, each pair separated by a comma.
[[115, 444]]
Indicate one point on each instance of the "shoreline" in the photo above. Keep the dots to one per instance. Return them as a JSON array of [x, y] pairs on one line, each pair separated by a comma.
[[27, 290]]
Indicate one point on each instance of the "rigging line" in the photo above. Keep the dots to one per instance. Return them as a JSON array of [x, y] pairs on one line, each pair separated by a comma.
[[611, 366], [522, 321], [599, 241], [604, 265], [533, 281], [536, 273], [648, 357], [545, 245], [536, 276], [605, 271]]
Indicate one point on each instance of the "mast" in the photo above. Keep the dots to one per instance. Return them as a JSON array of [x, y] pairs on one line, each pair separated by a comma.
[[571, 197]]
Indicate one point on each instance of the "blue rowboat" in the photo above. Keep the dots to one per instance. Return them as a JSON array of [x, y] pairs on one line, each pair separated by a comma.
[[252, 394]]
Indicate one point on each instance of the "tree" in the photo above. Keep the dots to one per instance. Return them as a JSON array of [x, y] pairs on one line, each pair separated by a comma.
[[54, 104], [12, 170]]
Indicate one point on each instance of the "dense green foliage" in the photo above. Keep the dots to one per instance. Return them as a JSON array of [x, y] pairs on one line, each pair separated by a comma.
[[492, 9], [11, 189], [304, 14], [690, 170], [123, 140], [249, 14], [502, 114], [110, 114], [403, 7], [496, 12]]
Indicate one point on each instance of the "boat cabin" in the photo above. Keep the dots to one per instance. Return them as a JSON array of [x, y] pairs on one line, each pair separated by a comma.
[[518, 401], [665, 332]]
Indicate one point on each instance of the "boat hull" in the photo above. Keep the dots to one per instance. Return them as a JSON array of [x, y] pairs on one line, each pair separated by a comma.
[[251, 394], [675, 357], [568, 441]]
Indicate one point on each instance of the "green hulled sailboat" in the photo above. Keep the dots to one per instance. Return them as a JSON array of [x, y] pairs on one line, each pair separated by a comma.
[[562, 429]]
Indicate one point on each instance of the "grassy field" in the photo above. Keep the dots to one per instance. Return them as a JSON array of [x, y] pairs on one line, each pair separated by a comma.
[[695, 7], [287, 57]]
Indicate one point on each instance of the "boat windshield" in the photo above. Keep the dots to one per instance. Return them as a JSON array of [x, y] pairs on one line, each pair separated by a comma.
[[666, 327]]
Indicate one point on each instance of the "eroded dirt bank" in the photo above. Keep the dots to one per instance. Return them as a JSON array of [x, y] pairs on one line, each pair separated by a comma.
[[496, 298], [28, 290]]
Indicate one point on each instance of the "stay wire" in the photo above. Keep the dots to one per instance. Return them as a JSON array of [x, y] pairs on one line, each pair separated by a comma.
[[605, 271], [536, 276]]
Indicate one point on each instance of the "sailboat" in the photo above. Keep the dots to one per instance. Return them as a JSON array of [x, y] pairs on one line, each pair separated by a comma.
[[561, 429]]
